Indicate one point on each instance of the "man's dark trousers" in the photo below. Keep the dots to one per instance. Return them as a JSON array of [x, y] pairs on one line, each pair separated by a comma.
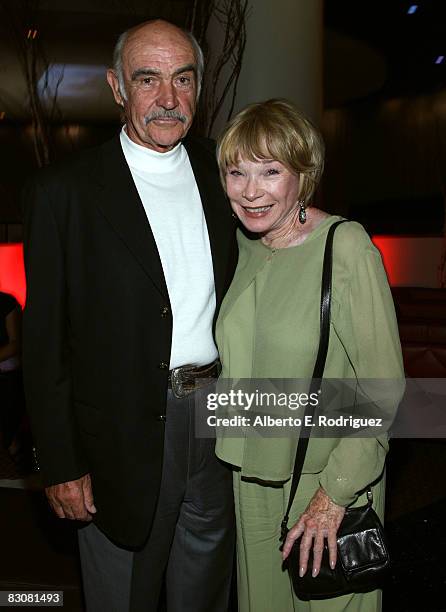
[[191, 540]]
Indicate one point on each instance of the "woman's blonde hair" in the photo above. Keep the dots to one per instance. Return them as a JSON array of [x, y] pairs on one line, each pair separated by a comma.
[[277, 130]]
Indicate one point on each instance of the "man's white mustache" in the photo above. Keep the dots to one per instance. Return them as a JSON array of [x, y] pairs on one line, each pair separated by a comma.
[[173, 114]]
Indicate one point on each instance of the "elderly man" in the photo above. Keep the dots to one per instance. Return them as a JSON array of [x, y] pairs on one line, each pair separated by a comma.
[[129, 251]]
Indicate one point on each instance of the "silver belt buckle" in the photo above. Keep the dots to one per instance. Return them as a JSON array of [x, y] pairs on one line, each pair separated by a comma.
[[176, 383]]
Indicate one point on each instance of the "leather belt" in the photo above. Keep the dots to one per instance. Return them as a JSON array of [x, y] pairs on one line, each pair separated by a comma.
[[185, 379]]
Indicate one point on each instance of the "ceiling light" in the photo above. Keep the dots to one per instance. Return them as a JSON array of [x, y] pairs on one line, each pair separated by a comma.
[[412, 9], [440, 59]]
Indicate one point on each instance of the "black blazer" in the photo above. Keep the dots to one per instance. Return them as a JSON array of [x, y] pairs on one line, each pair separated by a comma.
[[96, 331]]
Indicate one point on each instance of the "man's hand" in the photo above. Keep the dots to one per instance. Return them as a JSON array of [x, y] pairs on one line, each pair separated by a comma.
[[320, 520], [73, 499]]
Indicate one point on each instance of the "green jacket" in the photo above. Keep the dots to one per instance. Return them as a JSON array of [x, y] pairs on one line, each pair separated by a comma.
[[268, 327]]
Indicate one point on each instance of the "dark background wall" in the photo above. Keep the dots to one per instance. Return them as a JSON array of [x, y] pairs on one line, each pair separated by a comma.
[[385, 103]]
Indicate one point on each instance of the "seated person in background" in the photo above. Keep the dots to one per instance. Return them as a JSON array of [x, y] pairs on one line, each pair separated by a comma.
[[11, 390]]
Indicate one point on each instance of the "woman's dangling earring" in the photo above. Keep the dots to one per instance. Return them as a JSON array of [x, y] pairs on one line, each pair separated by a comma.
[[302, 212]]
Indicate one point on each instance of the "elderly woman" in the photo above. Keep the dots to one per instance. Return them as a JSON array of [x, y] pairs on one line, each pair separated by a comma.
[[271, 159]]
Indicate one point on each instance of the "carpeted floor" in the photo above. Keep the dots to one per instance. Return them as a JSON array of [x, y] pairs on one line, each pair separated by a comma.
[[415, 515], [418, 581], [40, 551]]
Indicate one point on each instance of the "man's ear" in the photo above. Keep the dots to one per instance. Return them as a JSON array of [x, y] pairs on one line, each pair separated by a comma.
[[112, 80]]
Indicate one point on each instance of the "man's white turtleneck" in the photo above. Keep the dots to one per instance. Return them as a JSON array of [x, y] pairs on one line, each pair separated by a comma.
[[169, 194]]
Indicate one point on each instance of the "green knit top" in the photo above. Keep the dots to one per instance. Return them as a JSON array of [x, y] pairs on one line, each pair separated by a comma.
[[268, 327]]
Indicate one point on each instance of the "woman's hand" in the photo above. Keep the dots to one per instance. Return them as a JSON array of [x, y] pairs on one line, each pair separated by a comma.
[[320, 520]]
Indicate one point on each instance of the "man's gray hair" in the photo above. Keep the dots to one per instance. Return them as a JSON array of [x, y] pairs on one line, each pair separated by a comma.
[[118, 67]]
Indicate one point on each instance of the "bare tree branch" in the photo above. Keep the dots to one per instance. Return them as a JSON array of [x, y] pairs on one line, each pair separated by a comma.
[[218, 83], [232, 15], [23, 19]]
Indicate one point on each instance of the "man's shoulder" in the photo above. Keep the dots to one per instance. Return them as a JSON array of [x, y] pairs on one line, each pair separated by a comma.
[[206, 143], [200, 145], [77, 166]]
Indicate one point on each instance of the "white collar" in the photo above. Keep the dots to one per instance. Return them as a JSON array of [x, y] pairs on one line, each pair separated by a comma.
[[143, 158]]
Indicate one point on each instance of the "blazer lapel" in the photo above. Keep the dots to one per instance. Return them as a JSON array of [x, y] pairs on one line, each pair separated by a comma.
[[120, 203]]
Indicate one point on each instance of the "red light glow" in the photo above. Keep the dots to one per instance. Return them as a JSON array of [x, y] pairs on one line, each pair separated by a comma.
[[12, 271], [410, 261]]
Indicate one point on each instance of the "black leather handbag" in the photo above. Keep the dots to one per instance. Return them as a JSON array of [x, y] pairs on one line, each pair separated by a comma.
[[362, 552]]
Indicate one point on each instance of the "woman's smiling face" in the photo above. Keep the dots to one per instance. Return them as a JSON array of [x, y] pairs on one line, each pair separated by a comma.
[[264, 195]]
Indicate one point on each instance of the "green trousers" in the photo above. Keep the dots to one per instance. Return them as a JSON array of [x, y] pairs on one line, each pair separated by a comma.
[[263, 586]]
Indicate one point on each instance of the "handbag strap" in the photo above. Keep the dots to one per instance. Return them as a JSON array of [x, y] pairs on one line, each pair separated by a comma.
[[318, 371]]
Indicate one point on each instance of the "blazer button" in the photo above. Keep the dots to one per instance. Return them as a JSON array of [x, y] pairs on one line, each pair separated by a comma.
[[164, 311], [163, 365], [161, 418]]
